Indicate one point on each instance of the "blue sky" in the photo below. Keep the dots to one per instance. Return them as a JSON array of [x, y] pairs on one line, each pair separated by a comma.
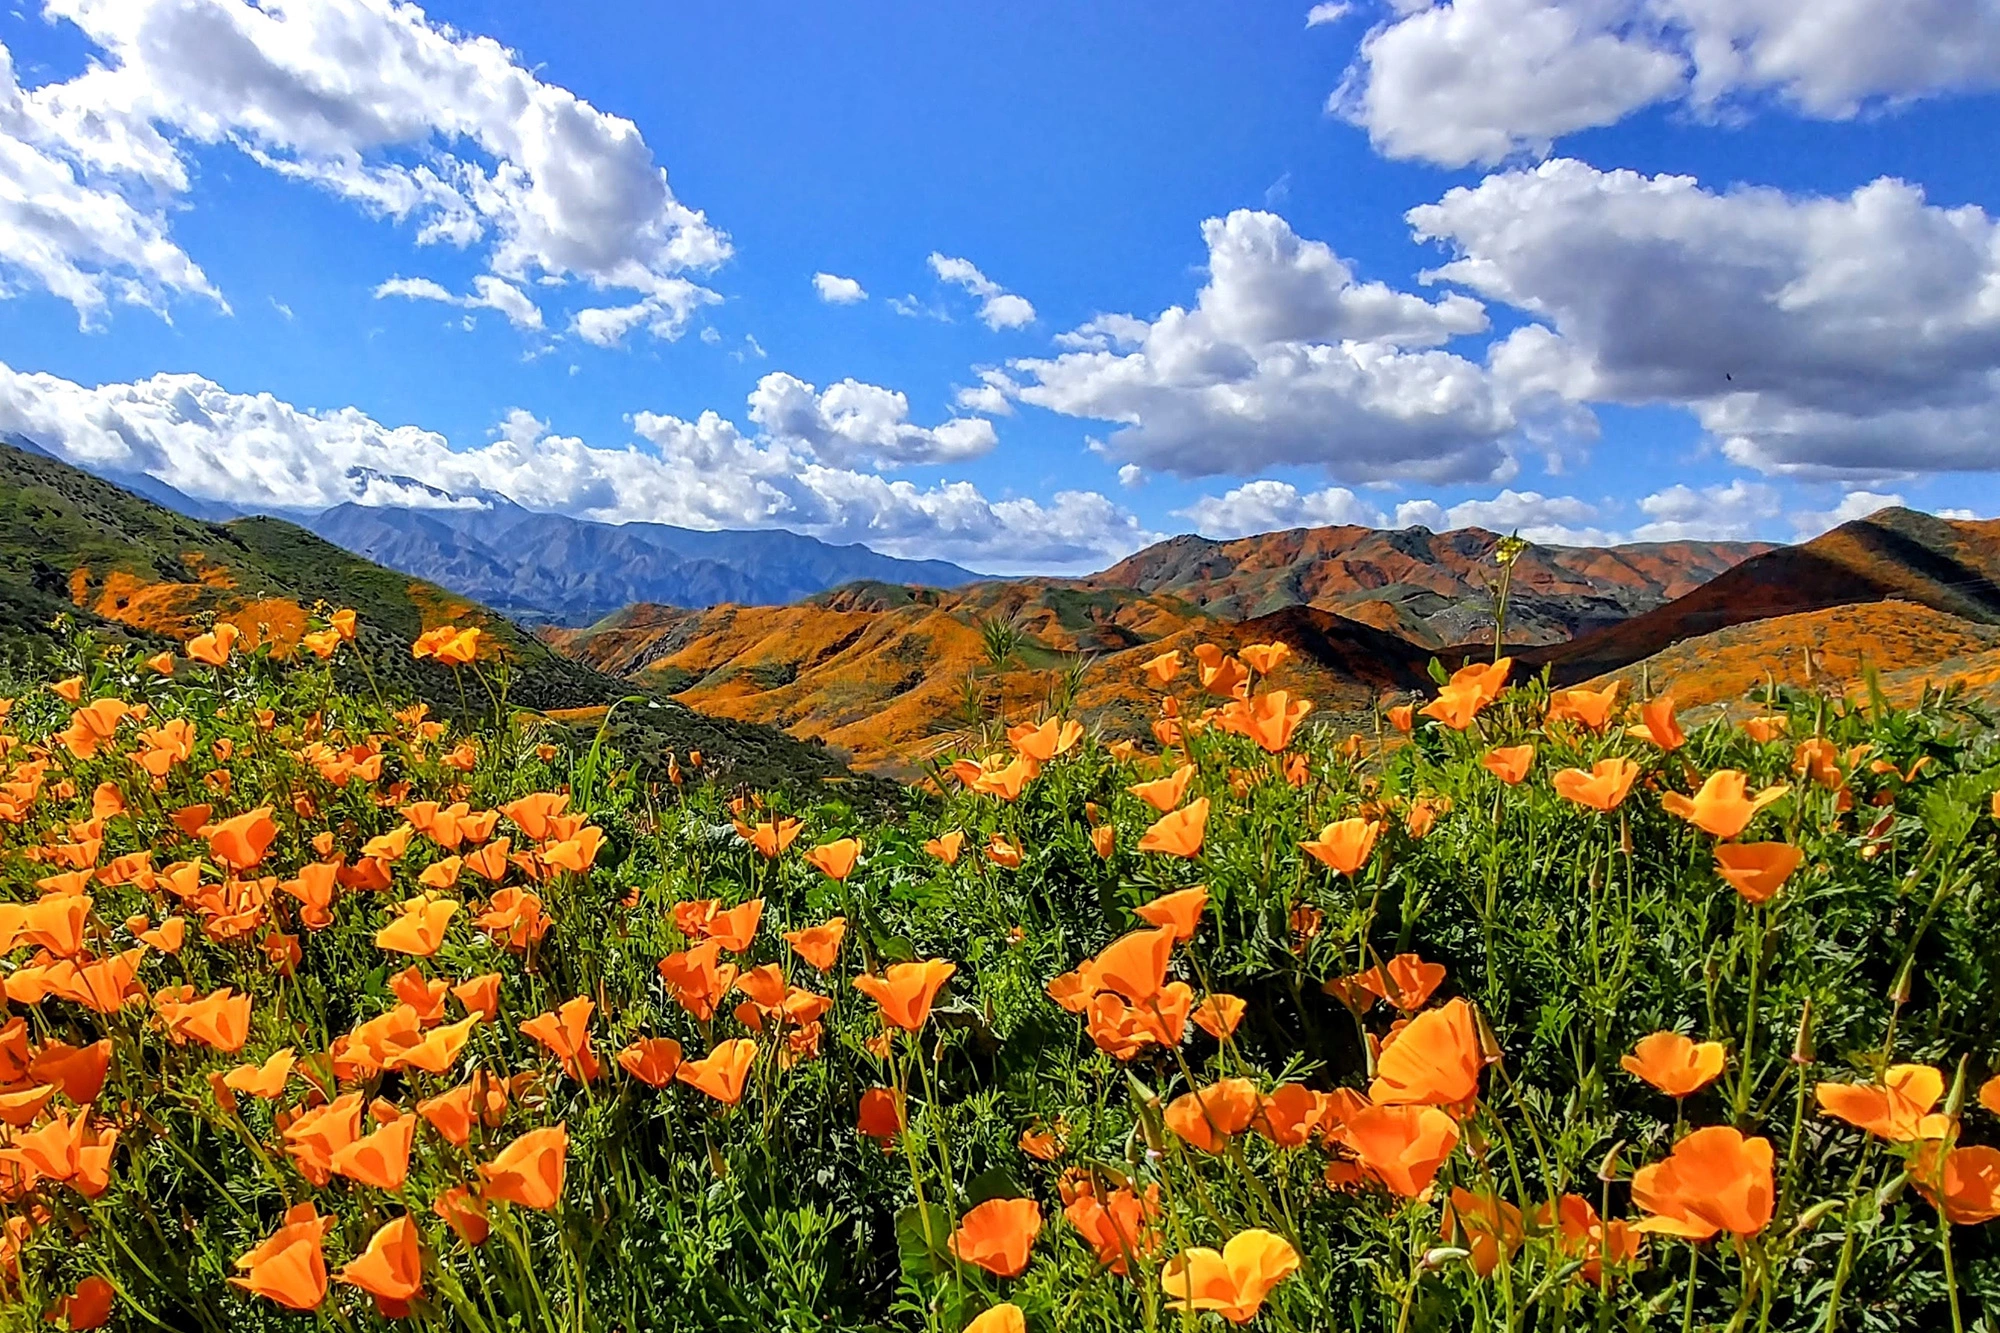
[[1715, 269]]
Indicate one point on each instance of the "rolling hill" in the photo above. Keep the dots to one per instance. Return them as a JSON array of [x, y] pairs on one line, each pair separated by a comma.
[[1434, 589], [884, 672], [73, 544], [1947, 565]]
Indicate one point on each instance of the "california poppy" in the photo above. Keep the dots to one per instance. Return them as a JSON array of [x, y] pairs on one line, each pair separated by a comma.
[[266, 1080], [1179, 833], [77, 1072], [1962, 1183], [1344, 845], [1587, 708], [722, 1072], [88, 1306], [1402, 717], [997, 1235], [1163, 794], [439, 1050], [289, 1267], [906, 992], [1219, 672], [1603, 788], [736, 928], [480, 1101], [1135, 964], [565, 1032], [1218, 1015], [240, 842], [1714, 1180], [1208, 1117], [1180, 911], [1674, 1064], [1003, 1318], [1757, 870], [945, 846], [1234, 1282], [1405, 981], [480, 995], [214, 647], [1491, 1228], [1402, 1146], [1003, 853], [835, 859], [698, 979], [1658, 724], [819, 945], [380, 1158], [1510, 764], [651, 1060], [1899, 1110], [771, 839], [1583, 1235], [464, 1213], [418, 927], [219, 1020], [1118, 1226], [881, 1115], [1435, 1059], [529, 1171], [1721, 807], [391, 1269]]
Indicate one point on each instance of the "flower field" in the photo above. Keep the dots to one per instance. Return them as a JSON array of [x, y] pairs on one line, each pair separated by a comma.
[[1532, 1010]]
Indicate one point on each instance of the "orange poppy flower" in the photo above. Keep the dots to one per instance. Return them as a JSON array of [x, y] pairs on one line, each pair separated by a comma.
[[77, 1072], [1490, 1228], [771, 839], [722, 1072], [419, 926], [1590, 709], [1658, 724], [1103, 841], [1403, 717], [819, 945], [1135, 964], [1003, 853], [481, 1101], [1220, 673], [1899, 1110], [1344, 845], [566, 1035], [1003, 1318], [21, 1108], [391, 1269], [214, 647], [651, 1060], [906, 992], [698, 979], [464, 1213], [1510, 764], [380, 1158], [1583, 1235], [835, 859], [1434, 1060], [1218, 1015], [997, 1235], [1007, 781], [1817, 759], [1209, 1117], [1674, 1064], [390, 846], [88, 1306], [438, 1051], [1962, 1183], [420, 993], [1264, 658], [529, 1171], [1764, 730], [532, 813], [1405, 981], [881, 1114], [1989, 1094], [219, 1020], [946, 846], [1163, 794], [1401, 1146], [1456, 706], [316, 1135], [1161, 670], [1180, 911], [240, 842], [1757, 870], [1721, 807], [1043, 743], [575, 854], [1118, 1227], [736, 928], [1603, 788], [289, 1268], [1179, 833], [1233, 1282], [480, 995], [1714, 1180], [266, 1080], [1270, 719]]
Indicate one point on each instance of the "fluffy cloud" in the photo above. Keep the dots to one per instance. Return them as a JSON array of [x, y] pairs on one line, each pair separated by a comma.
[[1739, 511], [1331, 11], [998, 307], [258, 451], [488, 293], [990, 395], [1285, 359], [1477, 80], [1855, 504], [836, 290], [366, 99], [854, 422], [1852, 336], [1268, 506], [1558, 520]]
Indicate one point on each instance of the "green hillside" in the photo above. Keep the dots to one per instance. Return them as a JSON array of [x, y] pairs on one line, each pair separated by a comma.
[[73, 544]]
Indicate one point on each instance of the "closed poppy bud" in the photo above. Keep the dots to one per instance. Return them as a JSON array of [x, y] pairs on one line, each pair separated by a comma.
[[1104, 840], [881, 1114]]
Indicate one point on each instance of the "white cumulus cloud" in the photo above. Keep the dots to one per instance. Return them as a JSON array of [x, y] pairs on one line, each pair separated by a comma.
[[367, 99], [1268, 506], [998, 307], [1479, 80], [836, 290], [488, 293]]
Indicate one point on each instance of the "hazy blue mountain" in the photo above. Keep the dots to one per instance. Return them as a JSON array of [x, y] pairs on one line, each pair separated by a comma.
[[548, 567]]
